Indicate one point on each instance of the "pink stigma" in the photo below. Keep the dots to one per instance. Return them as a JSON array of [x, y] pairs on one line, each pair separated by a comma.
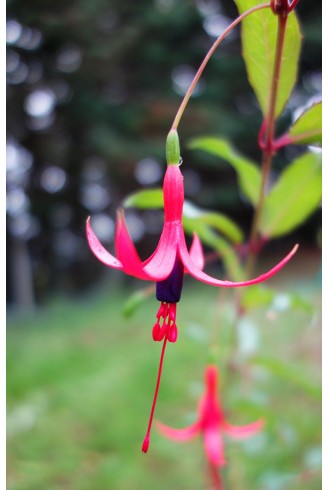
[[145, 444], [165, 325]]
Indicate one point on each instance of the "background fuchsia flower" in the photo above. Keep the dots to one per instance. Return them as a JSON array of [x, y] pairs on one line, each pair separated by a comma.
[[170, 260], [211, 423]]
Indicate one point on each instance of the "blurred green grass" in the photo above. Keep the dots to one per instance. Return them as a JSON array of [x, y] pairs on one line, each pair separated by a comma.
[[80, 380]]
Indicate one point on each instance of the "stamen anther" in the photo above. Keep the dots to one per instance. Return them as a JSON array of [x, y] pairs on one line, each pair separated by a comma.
[[172, 333], [166, 323], [155, 331]]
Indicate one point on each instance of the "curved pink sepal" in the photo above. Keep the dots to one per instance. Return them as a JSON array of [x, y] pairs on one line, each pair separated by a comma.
[[196, 252], [243, 431], [99, 251], [126, 251], [203, 277], [178, 434]]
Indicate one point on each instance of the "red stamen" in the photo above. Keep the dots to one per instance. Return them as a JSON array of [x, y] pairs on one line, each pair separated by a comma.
[[168, 331], [172, 334], [165, 325], [145, 444], [162, 332], [156, 330]]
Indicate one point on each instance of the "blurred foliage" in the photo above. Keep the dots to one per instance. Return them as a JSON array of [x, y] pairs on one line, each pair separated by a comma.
[[306, 129], [79, 397], [248, 174], [92, 90], [259, 56], [299, 188]]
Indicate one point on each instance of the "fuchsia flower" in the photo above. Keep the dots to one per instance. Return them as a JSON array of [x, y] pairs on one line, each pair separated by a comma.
[[211, 423], [171, 259]]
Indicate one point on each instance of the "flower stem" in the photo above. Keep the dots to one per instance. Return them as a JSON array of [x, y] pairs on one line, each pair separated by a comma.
[[206, 59], [215, 477], [146, 441], [266, 142], [268, 145]]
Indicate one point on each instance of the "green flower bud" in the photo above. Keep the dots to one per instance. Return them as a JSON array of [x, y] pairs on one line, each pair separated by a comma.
[[172, 148]]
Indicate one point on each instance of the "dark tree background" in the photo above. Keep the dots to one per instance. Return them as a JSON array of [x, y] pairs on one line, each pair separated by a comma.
[[93, 87]]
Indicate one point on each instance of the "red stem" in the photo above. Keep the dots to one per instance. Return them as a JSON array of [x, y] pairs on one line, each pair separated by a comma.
[[206, 59], [215, 477], [267, 143]]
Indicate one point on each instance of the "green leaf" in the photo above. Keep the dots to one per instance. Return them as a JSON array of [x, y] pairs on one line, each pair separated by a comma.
[[220, 245], [145, 199], [289, 373], [258, 34], [217, 221], [136, 299], [256, 296], [249, 176], [294, 197], [206, 225], [260, 296], [300, 303], [307, 129]]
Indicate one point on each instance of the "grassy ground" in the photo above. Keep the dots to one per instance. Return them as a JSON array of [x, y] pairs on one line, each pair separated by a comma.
[[80, 379]]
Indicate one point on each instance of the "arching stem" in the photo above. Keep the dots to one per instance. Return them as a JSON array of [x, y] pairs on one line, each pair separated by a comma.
[[206, 59]]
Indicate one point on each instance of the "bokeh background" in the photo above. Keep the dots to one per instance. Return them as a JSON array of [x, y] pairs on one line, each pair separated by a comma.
[[92, 90]]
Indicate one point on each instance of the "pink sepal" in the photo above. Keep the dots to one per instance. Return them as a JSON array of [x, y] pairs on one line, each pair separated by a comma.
[[196, 252], [126, 251], [178, 434], [243, 431], [201, 276], [99, 251]]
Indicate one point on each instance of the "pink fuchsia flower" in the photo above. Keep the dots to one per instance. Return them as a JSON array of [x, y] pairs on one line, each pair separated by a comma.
[[166, 266], [211, 423], [170, 260]]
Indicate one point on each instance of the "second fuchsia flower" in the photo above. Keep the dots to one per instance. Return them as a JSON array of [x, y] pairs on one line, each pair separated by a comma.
[[171, 259], [211, 423]]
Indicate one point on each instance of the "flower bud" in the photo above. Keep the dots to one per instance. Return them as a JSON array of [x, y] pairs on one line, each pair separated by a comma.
[[172, 148]]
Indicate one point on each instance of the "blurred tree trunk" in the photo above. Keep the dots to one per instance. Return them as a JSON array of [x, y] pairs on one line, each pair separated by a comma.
[[22, 277]]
